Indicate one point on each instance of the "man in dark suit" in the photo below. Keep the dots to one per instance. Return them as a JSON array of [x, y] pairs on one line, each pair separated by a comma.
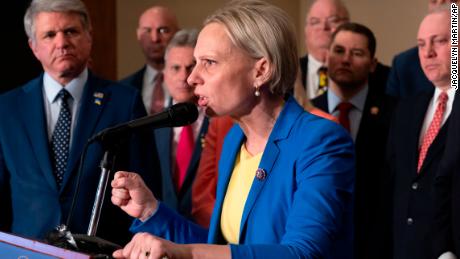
[[323, 18], [364, 110], [416, 143], [406, 76], [46, 123], [447, 190], [179, 158], [157, 26]]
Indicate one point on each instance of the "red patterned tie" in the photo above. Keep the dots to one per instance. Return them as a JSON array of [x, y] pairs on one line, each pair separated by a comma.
[[158, 95], [344, 112], [184, 154], [433, 129]]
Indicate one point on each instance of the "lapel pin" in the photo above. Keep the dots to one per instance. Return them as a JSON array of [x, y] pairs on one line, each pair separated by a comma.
[[261, 174], [203, 140], [375, 110], [98, 96]]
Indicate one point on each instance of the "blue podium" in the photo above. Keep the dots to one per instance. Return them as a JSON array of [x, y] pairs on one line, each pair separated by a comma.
[[15, 247]]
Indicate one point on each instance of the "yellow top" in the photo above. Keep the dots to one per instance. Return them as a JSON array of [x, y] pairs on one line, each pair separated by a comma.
[[237, 193]]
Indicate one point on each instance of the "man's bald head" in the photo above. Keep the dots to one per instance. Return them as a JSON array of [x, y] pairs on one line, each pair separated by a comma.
[[157, 25]]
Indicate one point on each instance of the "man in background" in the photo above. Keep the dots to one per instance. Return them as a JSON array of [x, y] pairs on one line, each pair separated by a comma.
[[157, 25], [47, 122], [406, 76], [180, 146], [417, 142], [364, 110]]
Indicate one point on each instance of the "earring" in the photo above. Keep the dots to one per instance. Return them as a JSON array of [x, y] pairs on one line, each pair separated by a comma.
[[257, 92]]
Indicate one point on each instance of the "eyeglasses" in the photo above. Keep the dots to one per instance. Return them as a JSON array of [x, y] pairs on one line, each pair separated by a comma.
[[331, 21]]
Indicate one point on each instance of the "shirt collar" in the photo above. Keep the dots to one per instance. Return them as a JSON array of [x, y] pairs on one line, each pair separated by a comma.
[[358, 101], [74, 87], [450, 93], [314, 63]]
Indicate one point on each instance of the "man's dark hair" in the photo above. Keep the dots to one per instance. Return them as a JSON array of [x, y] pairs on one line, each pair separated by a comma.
[[359, 29]]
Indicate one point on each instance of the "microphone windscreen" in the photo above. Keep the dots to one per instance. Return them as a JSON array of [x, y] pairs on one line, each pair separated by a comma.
[[183, 114]]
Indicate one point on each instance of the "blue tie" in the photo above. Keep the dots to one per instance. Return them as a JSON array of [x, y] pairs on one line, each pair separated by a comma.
[[60, 141]]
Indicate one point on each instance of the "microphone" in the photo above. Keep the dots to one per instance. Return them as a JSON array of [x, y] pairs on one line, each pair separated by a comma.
[[177, 115]]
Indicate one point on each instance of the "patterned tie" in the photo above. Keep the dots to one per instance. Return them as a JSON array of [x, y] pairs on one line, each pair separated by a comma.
[[433, 129], [184, 154], [60, 140], [344, 112], [158, 95], [322, 81]]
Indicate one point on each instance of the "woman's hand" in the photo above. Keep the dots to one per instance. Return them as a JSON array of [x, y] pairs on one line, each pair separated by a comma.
[[130, 193], [144, 245]]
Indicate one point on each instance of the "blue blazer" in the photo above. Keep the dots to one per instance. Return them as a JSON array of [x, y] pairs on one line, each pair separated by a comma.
[[181, 200], [302, 208], [38, 205]]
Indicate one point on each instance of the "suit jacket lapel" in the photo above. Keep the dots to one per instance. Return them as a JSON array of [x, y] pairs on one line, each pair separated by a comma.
[[92, 103], [320, 102], [280, 131], [31, 108], [418, 114], [231, 147], [435, 147], [163, 137]]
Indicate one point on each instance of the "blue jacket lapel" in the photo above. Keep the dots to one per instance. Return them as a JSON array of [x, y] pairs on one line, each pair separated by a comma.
[[280, 131], [92, 103], [34, 119], [231, 147]]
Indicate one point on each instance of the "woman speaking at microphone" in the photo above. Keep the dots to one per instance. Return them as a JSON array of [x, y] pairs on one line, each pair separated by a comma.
[[285, 185]]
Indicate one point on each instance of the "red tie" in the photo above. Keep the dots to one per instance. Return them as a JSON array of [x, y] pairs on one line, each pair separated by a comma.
[[344, 111], [184, 154], [433, 129], [158, 96]]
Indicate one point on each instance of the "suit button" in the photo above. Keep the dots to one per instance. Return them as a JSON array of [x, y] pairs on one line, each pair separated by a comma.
[[410, 221], [414, 186]]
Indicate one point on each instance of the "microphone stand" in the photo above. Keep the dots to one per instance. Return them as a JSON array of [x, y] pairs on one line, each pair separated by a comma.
[[90, 243], [106, 166]]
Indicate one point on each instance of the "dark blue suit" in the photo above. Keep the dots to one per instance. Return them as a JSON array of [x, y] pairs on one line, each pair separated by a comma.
[[370, 159], [302, 208], [136, 79], [411, 194], [447, 189], [26, 177], [406, 76], [179, 200]]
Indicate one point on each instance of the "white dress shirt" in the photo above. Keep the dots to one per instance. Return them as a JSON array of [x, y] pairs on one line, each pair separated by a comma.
[[53, 105], [312, 77]]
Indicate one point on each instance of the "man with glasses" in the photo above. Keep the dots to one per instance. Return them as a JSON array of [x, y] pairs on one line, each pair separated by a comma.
[[323, 17]]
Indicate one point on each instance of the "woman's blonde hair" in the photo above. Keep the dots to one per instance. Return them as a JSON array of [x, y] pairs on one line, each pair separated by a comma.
[[262, 30]]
